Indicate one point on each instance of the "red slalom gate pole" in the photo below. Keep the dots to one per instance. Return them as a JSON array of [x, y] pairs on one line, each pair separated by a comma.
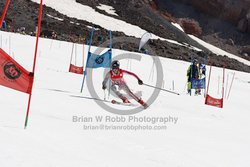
[[34, 62], [71, 55], [4, 12], [209, 78]]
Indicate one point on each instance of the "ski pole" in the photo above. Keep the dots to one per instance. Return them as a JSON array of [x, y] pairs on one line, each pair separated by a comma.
[[185, 87], [230, 86], [104, 95], [161, 89]]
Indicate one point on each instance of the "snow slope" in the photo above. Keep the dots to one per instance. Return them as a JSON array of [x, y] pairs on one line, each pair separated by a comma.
[[219, 51], [73, 9], [202, 136], [107, 9]]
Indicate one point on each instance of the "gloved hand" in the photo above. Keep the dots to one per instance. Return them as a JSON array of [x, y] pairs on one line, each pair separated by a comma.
[[140, 82], [104, 87]]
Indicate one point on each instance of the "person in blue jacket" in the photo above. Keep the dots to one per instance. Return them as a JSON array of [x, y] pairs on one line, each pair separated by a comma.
[[4, 25]]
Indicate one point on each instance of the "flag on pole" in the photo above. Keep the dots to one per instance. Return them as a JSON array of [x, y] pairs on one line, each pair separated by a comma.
[[35, 56], [214, 101], [144, 39], [75, 69], [97, 61], [209, 100], [13, 75], [198, 83]]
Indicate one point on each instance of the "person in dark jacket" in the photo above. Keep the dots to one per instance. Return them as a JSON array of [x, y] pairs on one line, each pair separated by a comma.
[[4, 25], [192, 73]]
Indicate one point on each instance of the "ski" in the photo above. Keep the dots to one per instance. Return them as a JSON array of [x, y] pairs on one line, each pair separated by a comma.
[[145, 106], [121, 103]]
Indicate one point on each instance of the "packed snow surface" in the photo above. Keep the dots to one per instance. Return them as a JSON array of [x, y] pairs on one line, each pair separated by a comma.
[[107, 9], [196, 135]]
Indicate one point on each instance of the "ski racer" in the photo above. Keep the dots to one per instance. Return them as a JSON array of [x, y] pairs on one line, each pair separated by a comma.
[[118, 83]]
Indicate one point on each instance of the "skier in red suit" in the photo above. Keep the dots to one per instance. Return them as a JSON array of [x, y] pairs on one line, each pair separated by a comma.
[[118, 83]]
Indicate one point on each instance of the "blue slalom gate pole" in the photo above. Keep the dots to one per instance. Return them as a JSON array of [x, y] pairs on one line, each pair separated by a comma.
[[205, 63], [191, 71], [85, 71], [110, 47], [84, 75]]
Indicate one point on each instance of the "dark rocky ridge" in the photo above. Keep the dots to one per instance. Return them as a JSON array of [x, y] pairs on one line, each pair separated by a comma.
[[73, 32], [236, 12], [137, 13], [219, 19]]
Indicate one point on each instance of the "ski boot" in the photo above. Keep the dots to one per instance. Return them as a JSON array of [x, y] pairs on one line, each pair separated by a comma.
[[124, 99], [143, 103], [197, 92]]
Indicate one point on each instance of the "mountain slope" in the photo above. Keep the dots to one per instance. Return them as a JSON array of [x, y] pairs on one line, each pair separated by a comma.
[[78, 30], [224, 22], [201, 136]]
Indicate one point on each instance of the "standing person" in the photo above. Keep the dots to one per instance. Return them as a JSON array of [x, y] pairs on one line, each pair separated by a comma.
[[202, 70], [118, 83], [192, 73], [4, 25], [53, 35]]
